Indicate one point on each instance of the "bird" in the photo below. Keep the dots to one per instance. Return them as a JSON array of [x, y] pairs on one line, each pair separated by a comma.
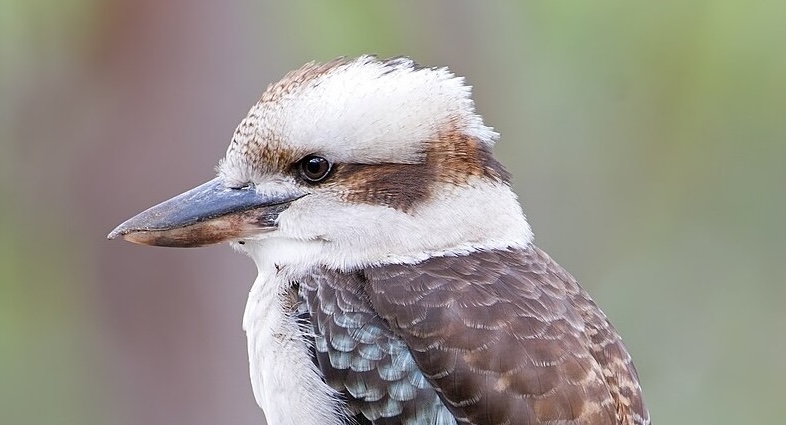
[[398, 279]]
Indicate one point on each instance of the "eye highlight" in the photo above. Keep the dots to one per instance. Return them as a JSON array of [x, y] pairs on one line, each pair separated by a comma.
[[314, 168]]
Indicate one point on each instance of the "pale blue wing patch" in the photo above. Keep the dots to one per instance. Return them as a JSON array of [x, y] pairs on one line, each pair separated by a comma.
[[359, 355]]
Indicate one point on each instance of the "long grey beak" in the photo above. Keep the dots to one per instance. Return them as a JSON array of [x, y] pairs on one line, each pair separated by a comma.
[[207, 214]]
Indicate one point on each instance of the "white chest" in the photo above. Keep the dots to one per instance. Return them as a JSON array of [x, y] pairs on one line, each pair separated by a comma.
[[287, 385]]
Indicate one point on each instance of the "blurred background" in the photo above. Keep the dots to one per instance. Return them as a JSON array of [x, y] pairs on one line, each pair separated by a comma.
[[647, 143]]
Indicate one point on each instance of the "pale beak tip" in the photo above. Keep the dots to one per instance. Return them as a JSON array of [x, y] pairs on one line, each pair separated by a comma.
[[120, 230]]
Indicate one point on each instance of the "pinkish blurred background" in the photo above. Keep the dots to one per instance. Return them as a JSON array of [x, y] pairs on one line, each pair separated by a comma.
[[647, 143]]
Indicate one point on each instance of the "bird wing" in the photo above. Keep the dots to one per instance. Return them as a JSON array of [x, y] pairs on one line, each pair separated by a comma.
[[361, 357], [509, 337]]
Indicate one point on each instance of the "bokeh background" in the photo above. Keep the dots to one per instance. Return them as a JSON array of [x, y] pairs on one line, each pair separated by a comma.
[[647, 141]]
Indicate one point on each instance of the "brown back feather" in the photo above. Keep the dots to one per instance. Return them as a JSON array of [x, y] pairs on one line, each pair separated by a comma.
[[509, 337]]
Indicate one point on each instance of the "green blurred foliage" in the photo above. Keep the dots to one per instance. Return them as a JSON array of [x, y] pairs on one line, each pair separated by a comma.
[[44, 332], [648, 145]]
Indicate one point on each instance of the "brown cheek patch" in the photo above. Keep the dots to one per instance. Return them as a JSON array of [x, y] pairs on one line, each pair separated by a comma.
[[399, 186], [453, 158], [492, 168], [458, 156]]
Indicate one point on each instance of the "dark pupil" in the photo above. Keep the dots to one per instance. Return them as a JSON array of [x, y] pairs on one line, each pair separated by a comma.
[[316, 168]]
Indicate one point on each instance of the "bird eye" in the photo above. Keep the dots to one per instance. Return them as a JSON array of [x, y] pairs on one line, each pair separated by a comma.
[[314, 168]]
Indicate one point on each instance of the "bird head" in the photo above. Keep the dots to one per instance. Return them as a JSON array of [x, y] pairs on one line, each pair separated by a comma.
[[350, 163]]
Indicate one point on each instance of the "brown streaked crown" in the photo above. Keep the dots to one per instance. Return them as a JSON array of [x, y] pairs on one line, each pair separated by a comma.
[[392, 129]]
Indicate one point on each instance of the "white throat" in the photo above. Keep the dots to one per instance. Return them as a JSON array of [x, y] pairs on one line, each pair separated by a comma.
[[480, 215], [286, 383]]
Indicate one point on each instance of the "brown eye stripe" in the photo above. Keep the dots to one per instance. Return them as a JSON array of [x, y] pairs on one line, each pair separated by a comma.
[[458, 156], [452, 159], [399, 186]]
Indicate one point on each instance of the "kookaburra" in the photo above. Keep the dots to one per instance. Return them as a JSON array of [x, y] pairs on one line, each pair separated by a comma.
[[398, 280]]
